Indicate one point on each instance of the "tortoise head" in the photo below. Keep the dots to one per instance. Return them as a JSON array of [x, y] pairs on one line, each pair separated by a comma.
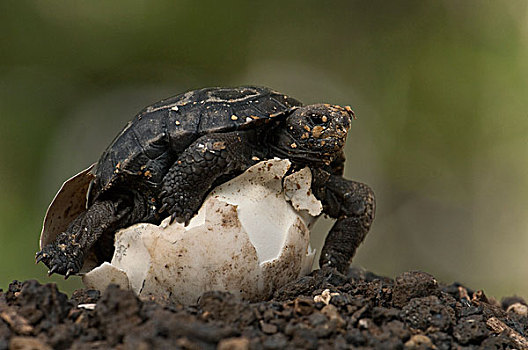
[[314, 133]]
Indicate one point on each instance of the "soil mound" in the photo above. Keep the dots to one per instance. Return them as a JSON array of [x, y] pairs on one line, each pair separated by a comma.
[[325, 310]]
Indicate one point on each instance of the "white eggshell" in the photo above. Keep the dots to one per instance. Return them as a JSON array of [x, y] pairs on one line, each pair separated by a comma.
[[246, 239]]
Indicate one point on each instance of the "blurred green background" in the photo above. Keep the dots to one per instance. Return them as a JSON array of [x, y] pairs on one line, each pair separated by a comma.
[[439, 87]]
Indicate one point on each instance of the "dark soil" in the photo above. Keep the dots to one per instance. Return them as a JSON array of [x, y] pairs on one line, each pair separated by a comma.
[[323, 310]]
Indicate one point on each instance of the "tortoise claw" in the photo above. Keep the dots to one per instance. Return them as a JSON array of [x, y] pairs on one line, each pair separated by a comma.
[[174, 216], [186, 219], [65, 261], [39, 257], [53, 269], [181, 219], [163, 208]]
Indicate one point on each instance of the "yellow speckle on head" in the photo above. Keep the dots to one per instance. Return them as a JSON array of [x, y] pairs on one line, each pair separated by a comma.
[[324, 118], [219, 145], [148, 173], [255, 117], [317, 131], [305, 135], [178, 122], [293, 145], [255, 158], [234, 117], [307, 128]]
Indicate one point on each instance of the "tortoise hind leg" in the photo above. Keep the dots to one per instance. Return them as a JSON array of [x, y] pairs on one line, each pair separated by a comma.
[[65, 255], [353, 205]]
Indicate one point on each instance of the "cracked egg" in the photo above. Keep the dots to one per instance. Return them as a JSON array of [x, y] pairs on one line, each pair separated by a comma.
[[250, 236]]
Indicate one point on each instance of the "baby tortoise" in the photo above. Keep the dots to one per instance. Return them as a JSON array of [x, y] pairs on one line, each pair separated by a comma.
[[173, 153]]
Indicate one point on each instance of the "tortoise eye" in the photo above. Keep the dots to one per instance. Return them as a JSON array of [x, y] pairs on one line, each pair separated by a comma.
[[318, 119]]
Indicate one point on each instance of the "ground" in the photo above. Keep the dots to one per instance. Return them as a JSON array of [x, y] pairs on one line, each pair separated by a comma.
[[319, 311]]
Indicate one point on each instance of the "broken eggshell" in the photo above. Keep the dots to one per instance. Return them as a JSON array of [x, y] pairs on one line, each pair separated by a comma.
[[68, 203], [249, 237], [246, 239]]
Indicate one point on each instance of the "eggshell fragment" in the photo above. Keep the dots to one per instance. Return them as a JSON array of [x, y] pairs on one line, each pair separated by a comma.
[[247, 239], [297, 189], [67, 204]]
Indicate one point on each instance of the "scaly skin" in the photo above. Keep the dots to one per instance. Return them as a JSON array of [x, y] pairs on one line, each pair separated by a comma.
[[65, 255], [192, 176], [353, 205]]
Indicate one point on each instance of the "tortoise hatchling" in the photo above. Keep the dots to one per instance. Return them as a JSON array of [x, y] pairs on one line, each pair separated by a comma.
[[173, 153]]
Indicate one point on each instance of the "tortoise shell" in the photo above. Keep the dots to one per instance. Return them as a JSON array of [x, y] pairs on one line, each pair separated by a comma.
[[143, 151]]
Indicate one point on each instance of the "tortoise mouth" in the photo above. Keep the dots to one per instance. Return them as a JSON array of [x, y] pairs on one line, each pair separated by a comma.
[[302, 156]]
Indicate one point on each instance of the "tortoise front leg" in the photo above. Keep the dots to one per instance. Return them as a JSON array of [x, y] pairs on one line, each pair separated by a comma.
[[65, 255], [353, 205], [210, 158]]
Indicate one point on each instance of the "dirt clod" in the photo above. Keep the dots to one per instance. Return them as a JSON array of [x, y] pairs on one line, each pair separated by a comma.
[[325, 310], [418, 341], [27, 343], [413, 284]]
